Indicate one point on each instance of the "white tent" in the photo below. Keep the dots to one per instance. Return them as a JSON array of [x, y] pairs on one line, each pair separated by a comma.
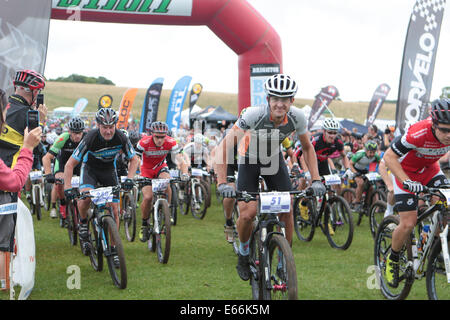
[[185, 114]]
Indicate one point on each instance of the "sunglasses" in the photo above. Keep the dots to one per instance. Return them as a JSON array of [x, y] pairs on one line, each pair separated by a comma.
[[332, 132], [443, 130], [159, 137]]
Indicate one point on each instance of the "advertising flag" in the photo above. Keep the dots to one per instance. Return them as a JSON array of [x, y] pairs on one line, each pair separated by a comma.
[[79, 107], [377, 101], [193, 96], [151, 103], [176, 102], [125, 108], [419, 55], [105, 101], [323, 99]]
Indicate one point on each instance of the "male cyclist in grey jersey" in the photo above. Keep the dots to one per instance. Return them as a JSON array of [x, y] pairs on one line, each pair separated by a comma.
[[260, 131]]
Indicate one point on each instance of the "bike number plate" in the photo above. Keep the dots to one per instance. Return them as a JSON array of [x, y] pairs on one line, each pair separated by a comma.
[[75, 182], [174, 173], [446, 193], [102, 195], [373, 176], [332, 179], [196, 172], [35, 175], [159, 184], [275, 202]]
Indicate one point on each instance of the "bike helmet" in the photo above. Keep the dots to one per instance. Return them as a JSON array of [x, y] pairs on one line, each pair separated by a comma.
[[134, 137], [440, 111], [76, 124], [30, 79], [106, 116], [280, 85], [371, 145], [159, 127], [330, 124]]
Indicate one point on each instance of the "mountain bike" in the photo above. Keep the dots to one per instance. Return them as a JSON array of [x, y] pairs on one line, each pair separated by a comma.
[[174, 174], [330, 212], [104, 238], [195, 195], [272, 264], [37, 192], [234, 216], [159, 228], [127, 211], [72, 214], [431, 250]]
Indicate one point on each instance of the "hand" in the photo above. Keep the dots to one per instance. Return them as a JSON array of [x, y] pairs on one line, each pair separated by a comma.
[[318, 188], [70, 194], [128, 184], [226, 190], [295, 169], [31, 139], [349, 174], [413, 186], [50, 178]]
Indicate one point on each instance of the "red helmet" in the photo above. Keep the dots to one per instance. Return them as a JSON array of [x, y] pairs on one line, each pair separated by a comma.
[[30, 79]]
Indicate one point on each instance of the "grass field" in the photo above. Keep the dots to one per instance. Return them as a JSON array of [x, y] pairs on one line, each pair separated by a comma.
[[66, 94], [201, 266]]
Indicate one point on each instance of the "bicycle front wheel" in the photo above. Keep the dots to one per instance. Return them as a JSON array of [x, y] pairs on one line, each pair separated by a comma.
[[72, 225], [383, 242], [114, 253], [437, 285], [376, 215], [279, 265], [304, 219], [338, 223], [163, 236], [129, 216], [95, 247], [199, 206]]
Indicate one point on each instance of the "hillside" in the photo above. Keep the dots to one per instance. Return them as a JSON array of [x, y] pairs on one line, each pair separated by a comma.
[[59, 94]]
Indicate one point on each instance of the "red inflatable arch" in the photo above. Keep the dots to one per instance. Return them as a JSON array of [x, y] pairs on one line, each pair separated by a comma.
[[236, 22]]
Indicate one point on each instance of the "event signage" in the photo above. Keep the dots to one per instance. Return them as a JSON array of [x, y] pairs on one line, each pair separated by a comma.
[[259, 73]]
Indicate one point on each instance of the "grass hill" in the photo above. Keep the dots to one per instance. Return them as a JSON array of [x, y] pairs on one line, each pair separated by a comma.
[[59, 94]]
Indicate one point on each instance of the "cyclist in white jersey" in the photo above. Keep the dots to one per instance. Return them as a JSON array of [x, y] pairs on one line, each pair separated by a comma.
[[260, 131]]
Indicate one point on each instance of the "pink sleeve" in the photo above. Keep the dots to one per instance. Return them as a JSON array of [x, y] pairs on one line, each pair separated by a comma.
[[13, 180]]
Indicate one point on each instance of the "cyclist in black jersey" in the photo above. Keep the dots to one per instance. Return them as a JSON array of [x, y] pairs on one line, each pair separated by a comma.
[[98, 151]]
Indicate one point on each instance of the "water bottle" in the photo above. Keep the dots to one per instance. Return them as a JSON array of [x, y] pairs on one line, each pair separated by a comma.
[[415, 255], [424, 236]]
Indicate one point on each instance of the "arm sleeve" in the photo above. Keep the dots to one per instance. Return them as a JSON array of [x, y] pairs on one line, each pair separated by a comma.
[[13, 180]]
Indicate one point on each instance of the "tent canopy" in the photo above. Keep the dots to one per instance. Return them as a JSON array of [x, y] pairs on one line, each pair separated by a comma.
[[214, 114]]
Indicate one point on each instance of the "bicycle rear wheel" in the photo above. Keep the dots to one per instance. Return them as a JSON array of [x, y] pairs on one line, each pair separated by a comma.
[[255, 266], [437, 286], [174, 204], [72, 225], [281, 270], [114, 247], [199, 206], [383, 241], [37, 203], [376, 215], [304, 222], [129, 216], [164, 236], [338, 223]]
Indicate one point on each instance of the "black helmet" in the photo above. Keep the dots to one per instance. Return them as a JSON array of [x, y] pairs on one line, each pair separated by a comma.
[[76, 124], [159, 127], [106, 116], [134, 137], [440, 111]]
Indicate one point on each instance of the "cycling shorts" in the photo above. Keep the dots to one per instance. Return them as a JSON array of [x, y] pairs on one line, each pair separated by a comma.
[[91, 177], [154, 173]]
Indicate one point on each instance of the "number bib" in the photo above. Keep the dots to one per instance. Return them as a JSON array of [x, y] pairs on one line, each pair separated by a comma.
[[446, 193], [35, 175], [174, 173], [196, 172], [373, 176], [275, 202], [101, 195], [75, 182], [159, 184], [332, 179]]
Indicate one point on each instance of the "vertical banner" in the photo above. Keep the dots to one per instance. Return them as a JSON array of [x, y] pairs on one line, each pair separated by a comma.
[[258, 75], [79, 107], [176, 102], [377, 101], [125, 108], [105, 101], [323, 99], [151, 103], [419, 56], [24, 29], [193, 97]]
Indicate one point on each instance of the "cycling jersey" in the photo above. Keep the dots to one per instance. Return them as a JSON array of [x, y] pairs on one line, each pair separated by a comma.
[[323, 149], [152, 156], [62, 149], [197, 154], [362, 163], [99, 153], [260, 130]]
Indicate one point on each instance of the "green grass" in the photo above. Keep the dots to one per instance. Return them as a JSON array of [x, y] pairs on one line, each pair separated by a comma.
[[201, 266]]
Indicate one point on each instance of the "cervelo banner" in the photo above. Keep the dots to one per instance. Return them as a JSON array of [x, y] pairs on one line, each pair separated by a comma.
[[258, 75], [125, 108], [105, 101], [377, 101], [161, 7], [79, 107], [24, 29], [151, 103], [419, 56], [176, 102], [323, 99]]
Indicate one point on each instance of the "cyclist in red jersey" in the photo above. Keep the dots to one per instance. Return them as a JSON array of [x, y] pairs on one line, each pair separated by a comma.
[[155, 149], [413, 160]]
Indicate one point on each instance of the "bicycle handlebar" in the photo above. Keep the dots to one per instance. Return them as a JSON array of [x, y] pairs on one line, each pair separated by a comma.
[[252, 196]]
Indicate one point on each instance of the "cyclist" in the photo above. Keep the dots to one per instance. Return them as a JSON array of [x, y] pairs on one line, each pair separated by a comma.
[[155, 149], [413, 160], [361, 164], [61, 150], [98, 152], [197, 152], [264, 127]]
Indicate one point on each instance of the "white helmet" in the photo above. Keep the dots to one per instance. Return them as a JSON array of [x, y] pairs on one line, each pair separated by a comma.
[[280, 85], [330, 124]]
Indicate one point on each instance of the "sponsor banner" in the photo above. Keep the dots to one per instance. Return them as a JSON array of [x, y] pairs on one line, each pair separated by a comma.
[[323, 99], [193, 97], [79, 107], [259, 73], [24, 29], [377, 101], [151, 103], [176, 102], [145, 7], [105, 101], [419, 56], [125, 108]]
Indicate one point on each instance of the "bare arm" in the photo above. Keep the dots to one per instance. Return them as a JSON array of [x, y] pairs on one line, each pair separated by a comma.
[[47, 162], [223, 149], [391, 160], [68, 172], [310, 156]]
